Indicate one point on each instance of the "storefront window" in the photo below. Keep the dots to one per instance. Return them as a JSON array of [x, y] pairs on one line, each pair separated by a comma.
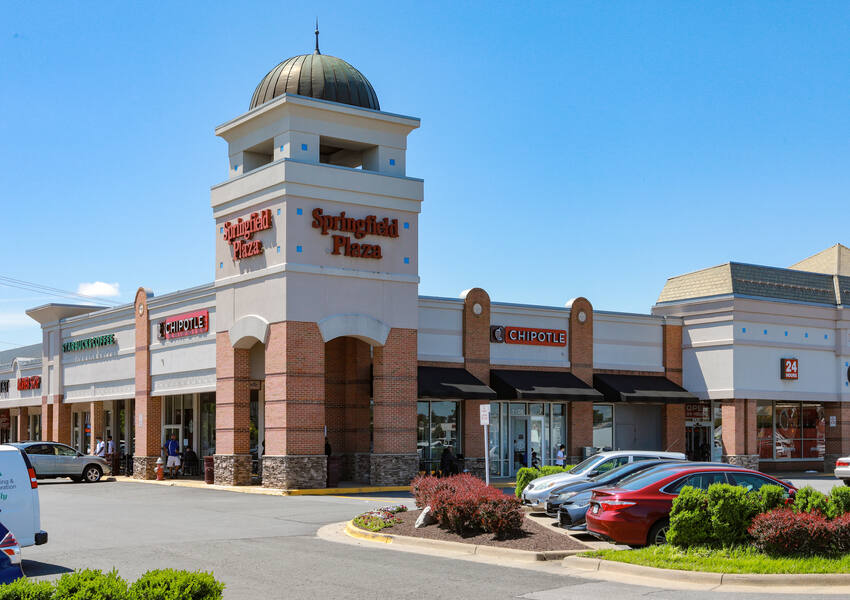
[[207, 407], [790, 430], [493, 441], [437, 426], [764, 429], [603, 426]]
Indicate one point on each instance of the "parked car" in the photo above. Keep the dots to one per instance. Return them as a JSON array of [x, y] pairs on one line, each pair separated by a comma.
[[537, 491], [637, 511], [21, 512], [582, 489], [10, 557], [52, 459], [842, 469]]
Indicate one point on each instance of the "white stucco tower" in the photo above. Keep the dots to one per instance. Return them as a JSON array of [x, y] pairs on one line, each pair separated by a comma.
[[316, 282]]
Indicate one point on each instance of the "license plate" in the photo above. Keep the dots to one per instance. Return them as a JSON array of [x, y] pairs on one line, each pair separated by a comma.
[[595, 509]]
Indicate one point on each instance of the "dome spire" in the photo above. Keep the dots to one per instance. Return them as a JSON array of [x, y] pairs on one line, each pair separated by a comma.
[[316, 51]]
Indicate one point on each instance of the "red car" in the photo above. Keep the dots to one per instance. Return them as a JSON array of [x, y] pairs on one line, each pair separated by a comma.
[[637, 511]]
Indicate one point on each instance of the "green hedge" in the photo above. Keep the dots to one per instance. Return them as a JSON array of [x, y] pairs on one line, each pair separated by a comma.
[[526, 475], [89, 584]]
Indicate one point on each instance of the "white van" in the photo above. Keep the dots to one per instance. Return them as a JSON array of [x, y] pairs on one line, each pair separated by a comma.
[[19, 507]]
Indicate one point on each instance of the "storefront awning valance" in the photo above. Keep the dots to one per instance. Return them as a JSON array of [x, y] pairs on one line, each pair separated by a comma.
[[640, 388], [540, 385], [450, 382]]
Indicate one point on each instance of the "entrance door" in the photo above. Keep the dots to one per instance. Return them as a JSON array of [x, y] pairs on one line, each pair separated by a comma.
[[698, 442], [537, 450], [175, 430], [519, 443]]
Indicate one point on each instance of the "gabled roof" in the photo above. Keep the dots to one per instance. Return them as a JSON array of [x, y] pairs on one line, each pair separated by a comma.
[[835, 260]]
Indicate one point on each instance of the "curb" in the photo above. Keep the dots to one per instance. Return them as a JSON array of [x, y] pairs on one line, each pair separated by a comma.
[[664, 576], [255, 489], [459, 547]]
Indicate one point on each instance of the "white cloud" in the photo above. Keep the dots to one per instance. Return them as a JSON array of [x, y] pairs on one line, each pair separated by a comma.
[[99, 289]]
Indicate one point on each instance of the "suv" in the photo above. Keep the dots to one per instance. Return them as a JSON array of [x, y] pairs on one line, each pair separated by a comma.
[[52, 459], [537, 492], [21, 511]]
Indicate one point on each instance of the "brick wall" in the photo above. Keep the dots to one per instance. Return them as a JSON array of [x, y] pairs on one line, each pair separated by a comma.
[[335, 387], [46, 420], [739, 427], [673, 427], [672, 352], [97, 423], [61, 421], [23, 424], [232, 397], [358, 388], [579, 427], [148, 436], [838, 437], [476, 360], [395, 393], [581, 340]]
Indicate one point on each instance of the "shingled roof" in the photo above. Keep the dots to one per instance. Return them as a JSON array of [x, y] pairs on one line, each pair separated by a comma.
[[7, 356]]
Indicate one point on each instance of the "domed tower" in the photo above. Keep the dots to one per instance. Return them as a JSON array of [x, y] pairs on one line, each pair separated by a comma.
[[316, 282]]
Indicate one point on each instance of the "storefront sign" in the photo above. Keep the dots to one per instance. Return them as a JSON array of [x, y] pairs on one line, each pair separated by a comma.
[[528, 336], [789, 368], [484, 414], [93, 342], [239, 234], [179, 326], [4, 386], [29, 383], [698, 411], [342, 245]]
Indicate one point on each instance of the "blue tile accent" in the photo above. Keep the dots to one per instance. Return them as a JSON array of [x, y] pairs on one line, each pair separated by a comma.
[[281, 148], [220, 265], [407, 260], [743, 329], [298, 211], [221, 229], [235, 167], [786, 334], [765, 331], [304, 147], [807, 335], [278, 211], [392, 162], [298, 248], [407, 225], [826, 336], [847, 364], [845, 383], [278, 249]]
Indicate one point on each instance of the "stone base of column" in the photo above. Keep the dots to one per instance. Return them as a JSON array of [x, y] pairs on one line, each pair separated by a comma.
[[144, 467], [355, 467], [475, 466], [295, 472], [829, 462], [393, 469], [232, 469], [748, 461]]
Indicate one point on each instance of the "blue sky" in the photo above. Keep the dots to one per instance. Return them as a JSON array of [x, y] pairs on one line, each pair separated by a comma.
[[567, 148]]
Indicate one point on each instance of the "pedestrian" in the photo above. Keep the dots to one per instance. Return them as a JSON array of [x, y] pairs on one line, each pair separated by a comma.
[[110, 449], [561, 456], [172, 450], [447, 462], [100, 447], [535, 463]]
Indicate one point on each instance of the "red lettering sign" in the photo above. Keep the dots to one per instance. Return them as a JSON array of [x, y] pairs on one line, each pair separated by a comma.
[[342, 244], [239, 234], [184, 325], [29, 383], [535, 337], [789, 368]]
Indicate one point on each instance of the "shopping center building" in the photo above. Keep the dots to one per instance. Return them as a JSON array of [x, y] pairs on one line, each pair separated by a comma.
[[312, 344]]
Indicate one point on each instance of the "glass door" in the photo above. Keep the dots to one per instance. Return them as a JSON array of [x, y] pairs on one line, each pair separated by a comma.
[[177, 432], [519, 443], [536, 448]]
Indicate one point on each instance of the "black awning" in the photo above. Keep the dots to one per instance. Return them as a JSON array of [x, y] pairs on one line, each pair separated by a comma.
[[450, 382], [640, 388], [540, 385]]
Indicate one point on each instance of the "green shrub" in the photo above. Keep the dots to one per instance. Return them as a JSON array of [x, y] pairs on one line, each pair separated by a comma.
[[731, 510], [839, 501], [690, 523], [526, 475], [90, 584], [168, 584], [808, 499], [26, 589], [771, 497]]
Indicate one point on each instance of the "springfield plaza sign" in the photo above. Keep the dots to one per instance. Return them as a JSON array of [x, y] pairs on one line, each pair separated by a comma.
[[342, 245], [239, 234], [193, 323], [89, 343], [529, 336]]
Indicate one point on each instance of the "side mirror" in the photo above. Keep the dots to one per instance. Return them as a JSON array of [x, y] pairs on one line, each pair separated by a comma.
[[592, 473]]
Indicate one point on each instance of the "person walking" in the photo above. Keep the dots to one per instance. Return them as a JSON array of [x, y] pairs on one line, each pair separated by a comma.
[[110, 449], [100, 447], [172, 450], [561, 456]]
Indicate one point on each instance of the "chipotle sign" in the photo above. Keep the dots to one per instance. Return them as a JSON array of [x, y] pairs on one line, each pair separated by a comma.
[[185, 325], [529, 336]]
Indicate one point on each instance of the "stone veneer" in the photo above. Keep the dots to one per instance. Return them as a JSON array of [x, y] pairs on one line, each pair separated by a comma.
[[233, 469], [748, 461], [355, 467], [393, 469], [295, 472], [475, 466], [144, 467]]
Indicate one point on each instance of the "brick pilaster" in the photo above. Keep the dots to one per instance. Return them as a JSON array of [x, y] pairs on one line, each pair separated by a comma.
[[61, 421], [46, 420], [23, 424], [232, 397], [476, 360], [672, 350], [673, 427], [97, 424], [358, 386], [335, 387], [394, 393], [739, 432], [837, 437], [581, 340], [148, 411], [579, 427]]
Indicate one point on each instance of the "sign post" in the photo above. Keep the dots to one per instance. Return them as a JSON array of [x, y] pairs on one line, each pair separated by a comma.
[[485, 421]]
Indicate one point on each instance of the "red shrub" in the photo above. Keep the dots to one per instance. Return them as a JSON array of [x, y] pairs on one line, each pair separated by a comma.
[[786, 533], [840, 526], [464, 503]]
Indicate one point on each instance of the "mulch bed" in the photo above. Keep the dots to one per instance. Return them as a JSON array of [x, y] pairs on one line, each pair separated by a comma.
[[534, 537]]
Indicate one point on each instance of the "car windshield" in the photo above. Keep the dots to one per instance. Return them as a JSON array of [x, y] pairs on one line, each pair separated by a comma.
[[641, 479], [621, 472], [585, 464]]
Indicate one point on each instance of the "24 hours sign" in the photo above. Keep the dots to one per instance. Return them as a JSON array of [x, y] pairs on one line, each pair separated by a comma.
[[789, 368]]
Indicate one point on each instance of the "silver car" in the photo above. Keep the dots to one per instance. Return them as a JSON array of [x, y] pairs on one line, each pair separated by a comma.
[[842, 469], [51, 459]]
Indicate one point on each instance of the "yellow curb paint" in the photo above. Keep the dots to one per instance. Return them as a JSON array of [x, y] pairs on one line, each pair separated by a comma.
[[253, 489], [353, 531]]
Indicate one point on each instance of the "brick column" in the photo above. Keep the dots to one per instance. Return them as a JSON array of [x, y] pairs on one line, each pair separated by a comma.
[[232, 412], [673, 427], [46, 420], [61, 421], [357, 418], [23, 424], [672, 349], [739, 433], [335, 385], [838, 437], [394, 460], [476, 360], [97, 424], [580, 342], [148, 421], [295, 407]]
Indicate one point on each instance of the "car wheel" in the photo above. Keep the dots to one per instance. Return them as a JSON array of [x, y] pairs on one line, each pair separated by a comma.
[[658, 533], [92, 474]]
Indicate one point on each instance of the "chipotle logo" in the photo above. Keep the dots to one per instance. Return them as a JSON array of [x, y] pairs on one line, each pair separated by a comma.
[[239, 234], [184, 325], [529, 336], [342, 245]]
